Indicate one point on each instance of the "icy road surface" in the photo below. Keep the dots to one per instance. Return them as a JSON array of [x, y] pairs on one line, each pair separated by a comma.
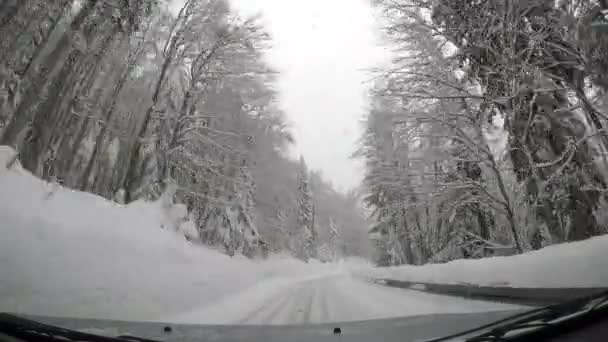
[[331, 298]]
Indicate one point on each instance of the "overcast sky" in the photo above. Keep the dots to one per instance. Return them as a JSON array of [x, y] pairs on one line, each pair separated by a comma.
[[322, 48]]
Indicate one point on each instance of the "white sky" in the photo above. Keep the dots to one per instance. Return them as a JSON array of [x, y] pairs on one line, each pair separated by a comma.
[[321, 48]]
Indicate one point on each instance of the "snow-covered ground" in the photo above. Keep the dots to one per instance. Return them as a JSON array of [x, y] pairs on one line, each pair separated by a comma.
[[575, 264], [328, 298], [67, 253]]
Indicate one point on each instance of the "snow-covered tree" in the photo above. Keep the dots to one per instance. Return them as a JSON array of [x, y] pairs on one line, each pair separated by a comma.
[[132, 101], [335, 242], [469, 133], [305, 234]]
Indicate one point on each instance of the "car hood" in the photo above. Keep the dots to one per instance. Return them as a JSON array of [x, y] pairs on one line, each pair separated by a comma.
[[413, 328]]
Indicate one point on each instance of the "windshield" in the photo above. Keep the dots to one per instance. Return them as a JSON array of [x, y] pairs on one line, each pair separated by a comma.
[[275, 162]]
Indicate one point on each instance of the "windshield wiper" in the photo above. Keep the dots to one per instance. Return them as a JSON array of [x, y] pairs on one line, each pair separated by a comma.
[[28, 330], [548, 321]]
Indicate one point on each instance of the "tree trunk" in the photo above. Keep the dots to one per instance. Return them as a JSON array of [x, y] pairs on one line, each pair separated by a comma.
[[136, 157], [75, 126], [32, 148], [20, 59], [508, 209], [12, 42], [10, 9], [60, 59], [108, 111]]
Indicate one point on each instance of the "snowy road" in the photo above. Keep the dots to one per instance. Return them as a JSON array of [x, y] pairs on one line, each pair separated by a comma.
[[333, 298]]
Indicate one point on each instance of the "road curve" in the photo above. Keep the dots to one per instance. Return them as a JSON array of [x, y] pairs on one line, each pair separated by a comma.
[[333, 298]]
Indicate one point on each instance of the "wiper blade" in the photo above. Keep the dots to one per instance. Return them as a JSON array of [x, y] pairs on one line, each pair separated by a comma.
[[28, 330], [554, 319], [129, 338], [524, 324]]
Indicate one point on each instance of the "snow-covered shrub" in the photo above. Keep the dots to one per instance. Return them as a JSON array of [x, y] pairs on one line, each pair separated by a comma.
[[178, 214], [189, 230], [8, 157], [175, 216], [325, 253], [119, 196], [601, 213]]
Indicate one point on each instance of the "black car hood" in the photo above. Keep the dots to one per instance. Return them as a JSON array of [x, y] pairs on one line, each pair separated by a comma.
[[406, 329]]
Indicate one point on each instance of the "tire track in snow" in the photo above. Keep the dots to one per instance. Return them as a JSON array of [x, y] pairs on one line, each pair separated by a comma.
[[301, 301], [311, 299], [325, 316], [267, 313], [251, 315], [329, 299], [320, 308], [279, 307], [340, 304], [294, 305]]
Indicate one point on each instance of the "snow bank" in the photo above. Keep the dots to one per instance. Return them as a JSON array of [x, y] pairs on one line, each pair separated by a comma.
[[68, 253], [575, 264]]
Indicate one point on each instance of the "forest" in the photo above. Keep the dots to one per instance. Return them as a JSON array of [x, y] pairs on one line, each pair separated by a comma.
[[133, 100], [486, 135]]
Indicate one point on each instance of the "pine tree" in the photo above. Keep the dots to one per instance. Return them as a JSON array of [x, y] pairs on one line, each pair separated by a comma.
[[251, 236], [335, 243], [305, 234]]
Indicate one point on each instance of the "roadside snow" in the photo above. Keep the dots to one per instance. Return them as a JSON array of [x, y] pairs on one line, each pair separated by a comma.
[[68, 253], [575, 264]]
